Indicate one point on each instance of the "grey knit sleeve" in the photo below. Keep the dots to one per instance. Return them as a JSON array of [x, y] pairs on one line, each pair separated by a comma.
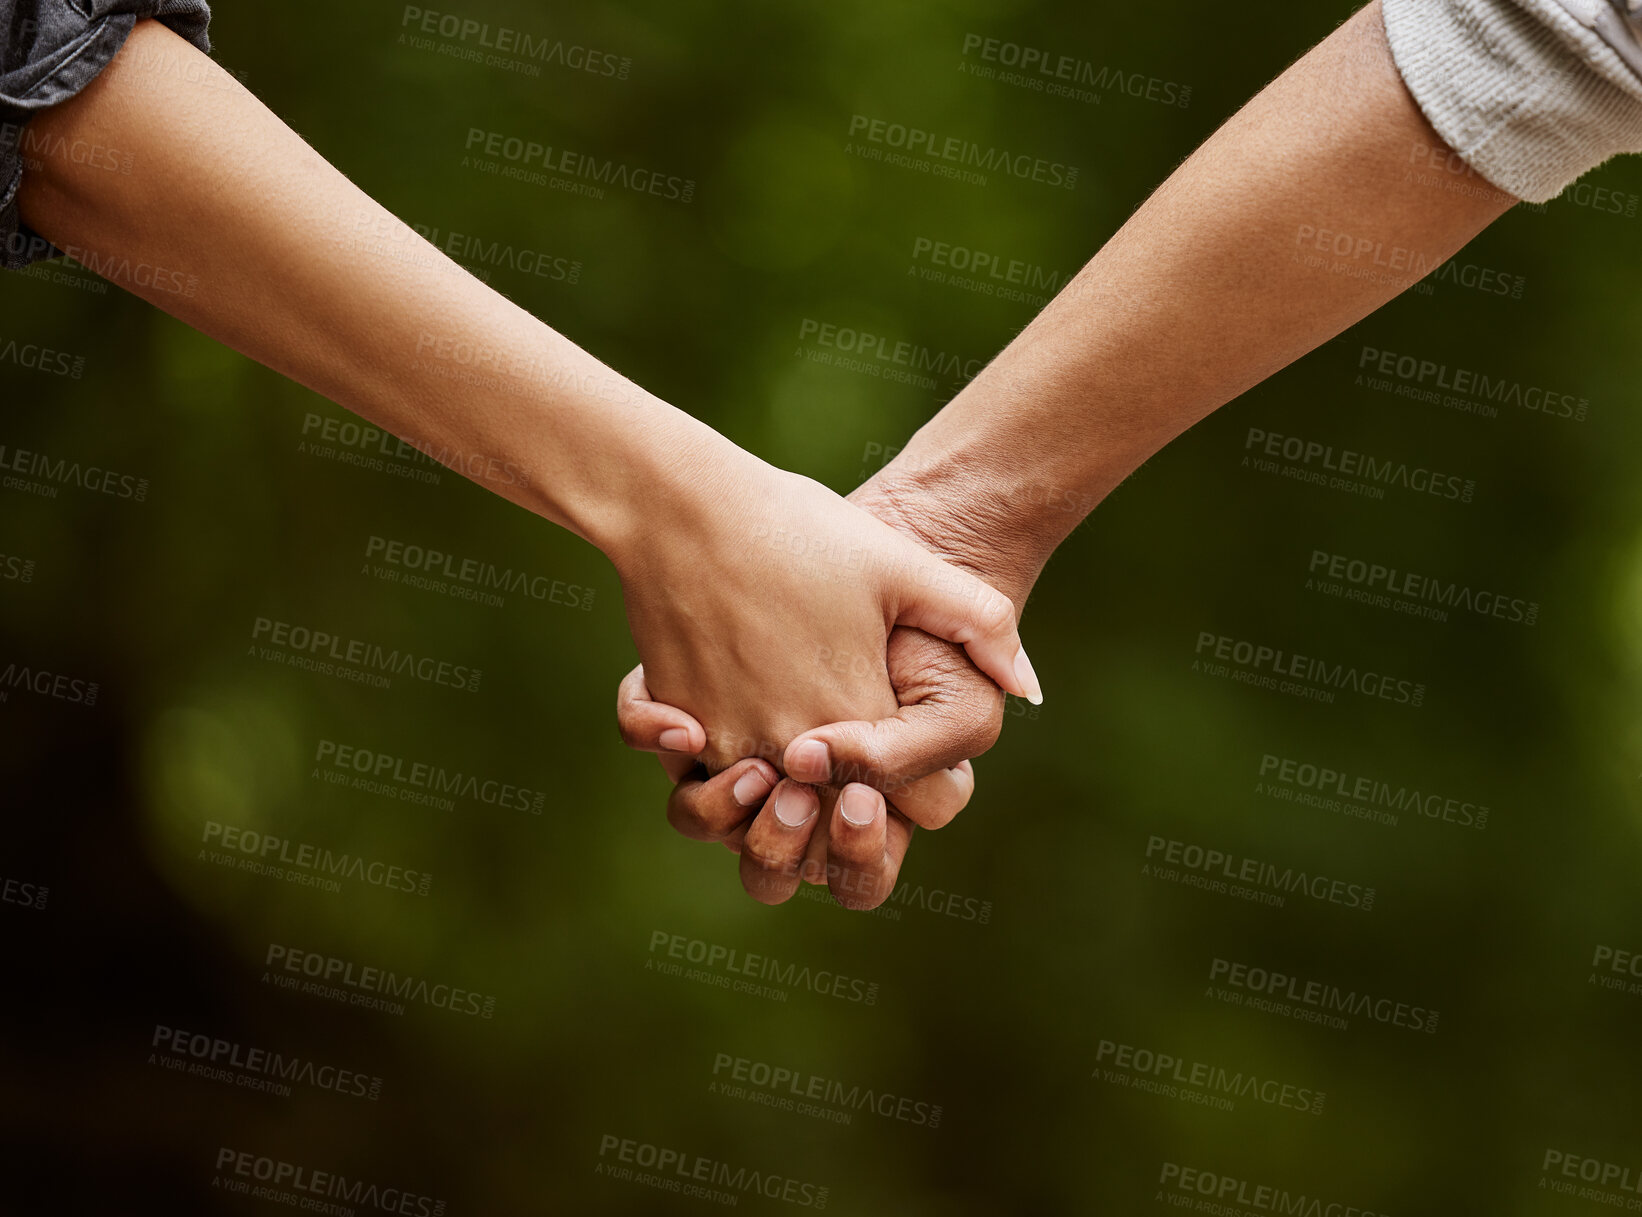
[[1531, 93]]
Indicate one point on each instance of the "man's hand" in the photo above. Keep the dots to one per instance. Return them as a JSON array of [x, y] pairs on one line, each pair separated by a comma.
[[846, 835], [832, 827]]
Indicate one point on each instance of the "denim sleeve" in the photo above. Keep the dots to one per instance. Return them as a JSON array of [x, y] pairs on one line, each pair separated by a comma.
[[49, 51]]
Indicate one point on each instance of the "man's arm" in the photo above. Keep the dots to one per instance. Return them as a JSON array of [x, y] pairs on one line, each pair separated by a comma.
[[1294, 220]]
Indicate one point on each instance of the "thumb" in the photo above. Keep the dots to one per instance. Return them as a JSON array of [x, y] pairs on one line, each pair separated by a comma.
[[952, 604], [892, 753], [652, 726], [918, 755], [843, 753]]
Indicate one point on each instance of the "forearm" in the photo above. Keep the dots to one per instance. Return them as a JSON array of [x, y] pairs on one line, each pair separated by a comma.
[[1216, 282], [269, 249]]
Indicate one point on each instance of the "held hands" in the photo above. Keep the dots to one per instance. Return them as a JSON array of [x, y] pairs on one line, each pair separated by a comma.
[[904, 719], [761, 581]]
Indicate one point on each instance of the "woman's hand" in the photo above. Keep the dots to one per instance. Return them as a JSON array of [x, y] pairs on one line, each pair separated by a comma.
[[946, 711], [762, 605]]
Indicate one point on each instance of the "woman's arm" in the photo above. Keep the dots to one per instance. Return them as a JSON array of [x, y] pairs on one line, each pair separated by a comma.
[[738, 578], [230, 222]]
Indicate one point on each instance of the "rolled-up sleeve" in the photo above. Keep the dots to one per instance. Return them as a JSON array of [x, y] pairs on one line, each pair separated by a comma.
[[1531, 93]]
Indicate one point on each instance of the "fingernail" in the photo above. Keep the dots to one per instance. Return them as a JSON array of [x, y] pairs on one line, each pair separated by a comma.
[[1028, 678], [792, 808], [675, 739], [751, 787], [857, 806], [814, 760]]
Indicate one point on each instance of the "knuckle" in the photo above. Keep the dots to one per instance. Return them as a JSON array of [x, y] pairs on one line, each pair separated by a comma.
[[973, 719], [996, 610], [758, 855], [697, 817], [939, 814], [859, 756], [766, 892], [688, 829], [689, 826], [933, 803], [852, 854], [858, 886]]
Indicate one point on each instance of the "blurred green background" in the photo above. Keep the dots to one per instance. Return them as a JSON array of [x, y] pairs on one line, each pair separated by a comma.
[[1024, 936]]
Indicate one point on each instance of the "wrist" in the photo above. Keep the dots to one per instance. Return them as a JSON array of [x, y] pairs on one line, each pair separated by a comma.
[[672, 490], [1001, 488], [661, 475], [964, 517]]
